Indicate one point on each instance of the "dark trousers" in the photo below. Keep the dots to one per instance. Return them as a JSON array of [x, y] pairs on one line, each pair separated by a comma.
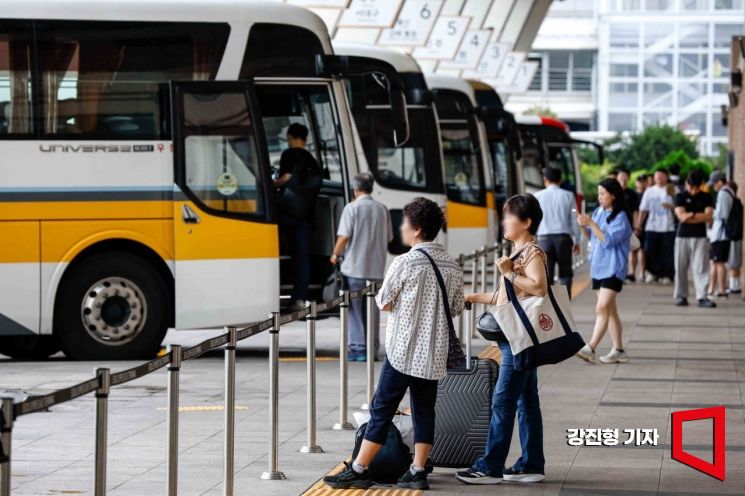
[[558, 248], [392, 386], [358, 318], [298, 236], [659, 251]]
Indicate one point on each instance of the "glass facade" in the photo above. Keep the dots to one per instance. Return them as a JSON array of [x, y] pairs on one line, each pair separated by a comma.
[[666, 61], [563, 71]]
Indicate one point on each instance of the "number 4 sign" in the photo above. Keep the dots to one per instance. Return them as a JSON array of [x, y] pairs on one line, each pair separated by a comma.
[[414, 23], [445, 39], [470, 51]]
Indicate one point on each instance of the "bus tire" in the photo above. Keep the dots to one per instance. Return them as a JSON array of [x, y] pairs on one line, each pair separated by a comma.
[[29, 347], [112, 306]]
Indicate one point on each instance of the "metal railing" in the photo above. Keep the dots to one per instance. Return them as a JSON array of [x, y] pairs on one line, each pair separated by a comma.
[[104, 380], [173, 359]]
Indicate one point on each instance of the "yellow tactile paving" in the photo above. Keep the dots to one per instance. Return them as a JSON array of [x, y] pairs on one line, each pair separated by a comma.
[[321, 489]]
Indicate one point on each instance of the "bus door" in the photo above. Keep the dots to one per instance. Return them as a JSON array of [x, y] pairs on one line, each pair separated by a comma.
[[467, 213], [224, 224], [311, 104]]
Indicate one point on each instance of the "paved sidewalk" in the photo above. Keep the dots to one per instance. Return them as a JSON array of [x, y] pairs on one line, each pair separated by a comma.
[[681, 358]]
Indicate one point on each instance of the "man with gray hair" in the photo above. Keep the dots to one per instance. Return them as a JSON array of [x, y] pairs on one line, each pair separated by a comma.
[[362, 243]]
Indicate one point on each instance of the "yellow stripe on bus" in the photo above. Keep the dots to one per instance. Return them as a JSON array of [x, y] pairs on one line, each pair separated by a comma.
[[77, 210], [462, 215]]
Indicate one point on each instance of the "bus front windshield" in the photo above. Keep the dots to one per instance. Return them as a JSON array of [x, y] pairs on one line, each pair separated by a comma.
[[415, 165], [463, 174], [561, 156]]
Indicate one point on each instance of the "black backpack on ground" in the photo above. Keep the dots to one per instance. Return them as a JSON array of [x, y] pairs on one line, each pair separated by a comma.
[[734, 225], [393, 459]]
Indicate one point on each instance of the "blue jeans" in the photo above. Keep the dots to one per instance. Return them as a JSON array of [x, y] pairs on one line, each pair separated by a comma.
[[516, 392], [298, 235], [358, 318]]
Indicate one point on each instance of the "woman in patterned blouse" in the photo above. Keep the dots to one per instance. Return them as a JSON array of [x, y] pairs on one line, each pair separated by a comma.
[[416, 344], [516, 391]]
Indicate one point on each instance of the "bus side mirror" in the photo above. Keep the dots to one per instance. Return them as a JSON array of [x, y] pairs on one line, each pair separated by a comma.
[[343, 66]]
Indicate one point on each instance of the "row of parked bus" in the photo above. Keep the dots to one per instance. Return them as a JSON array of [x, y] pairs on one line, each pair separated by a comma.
[[139, 142]]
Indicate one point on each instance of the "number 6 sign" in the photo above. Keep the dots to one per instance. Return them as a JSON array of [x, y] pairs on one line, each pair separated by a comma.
[[414, 23]]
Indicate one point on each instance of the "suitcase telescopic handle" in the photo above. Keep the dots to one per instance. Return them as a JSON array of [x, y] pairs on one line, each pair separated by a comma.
[[468, 333]]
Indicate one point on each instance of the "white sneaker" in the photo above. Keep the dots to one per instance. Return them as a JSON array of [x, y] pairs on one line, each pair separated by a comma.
[[615, 356], [648, 277], [666, 280], [587, 354]]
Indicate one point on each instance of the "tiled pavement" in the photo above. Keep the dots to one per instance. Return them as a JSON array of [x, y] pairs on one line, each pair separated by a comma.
[[681, 358]]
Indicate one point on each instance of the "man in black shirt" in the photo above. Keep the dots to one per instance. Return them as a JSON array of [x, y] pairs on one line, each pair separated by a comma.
[[693, 208], [300, 180], [632, 211]]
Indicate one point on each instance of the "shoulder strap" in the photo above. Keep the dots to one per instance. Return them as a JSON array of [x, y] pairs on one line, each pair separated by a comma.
[[441, 283]]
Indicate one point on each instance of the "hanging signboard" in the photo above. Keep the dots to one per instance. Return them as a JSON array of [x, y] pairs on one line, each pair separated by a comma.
[[523, 78], [509, 69], [339, 4], [445, 39], [470, 51], [371, 13], [414, 23], [491, 61], [477, 10]]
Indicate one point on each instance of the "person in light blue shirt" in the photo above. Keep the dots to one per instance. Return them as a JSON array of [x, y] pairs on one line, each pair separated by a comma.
[[609, 231]]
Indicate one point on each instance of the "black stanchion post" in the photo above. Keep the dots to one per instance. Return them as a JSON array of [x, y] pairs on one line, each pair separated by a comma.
[[471, 330], [310, 363], [343, 423], [461, 333], [484, 256], [496, 272], [273, 473], [229, 455], [172, 420], [372, 331], [102, 412], [7, 418]]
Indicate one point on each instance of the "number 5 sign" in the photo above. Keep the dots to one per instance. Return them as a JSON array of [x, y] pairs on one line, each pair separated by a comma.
[[445, 39], [414, 23]]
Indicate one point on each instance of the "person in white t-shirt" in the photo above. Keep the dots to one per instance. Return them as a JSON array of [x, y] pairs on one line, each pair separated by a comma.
[[656, 215]]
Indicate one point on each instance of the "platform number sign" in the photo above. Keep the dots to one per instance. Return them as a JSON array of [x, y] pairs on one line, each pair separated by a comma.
[[470, 51], [523, 78], [414, 23], [491, 61], [510, 67], [445, 39], [371, 13]]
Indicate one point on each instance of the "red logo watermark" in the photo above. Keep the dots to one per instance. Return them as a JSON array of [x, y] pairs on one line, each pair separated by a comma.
[[717, 414], [545, 322]]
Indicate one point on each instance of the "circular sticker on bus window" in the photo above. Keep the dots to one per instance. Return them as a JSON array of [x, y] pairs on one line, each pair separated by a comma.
[[461, 179], [227, 183]]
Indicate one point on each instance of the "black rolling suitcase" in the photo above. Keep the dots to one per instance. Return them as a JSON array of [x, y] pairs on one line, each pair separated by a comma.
[[463, 408], [463, 412]]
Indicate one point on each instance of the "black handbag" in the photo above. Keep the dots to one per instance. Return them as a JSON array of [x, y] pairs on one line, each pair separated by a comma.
[[486, 324], [456, 357]]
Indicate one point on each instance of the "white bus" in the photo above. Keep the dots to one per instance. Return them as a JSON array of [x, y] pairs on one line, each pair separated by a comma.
[[472, 217], [137, 141], [400, 172]]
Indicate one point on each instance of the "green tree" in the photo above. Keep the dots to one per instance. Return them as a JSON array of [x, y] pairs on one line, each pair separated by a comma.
[[651, 146], [540, 111]]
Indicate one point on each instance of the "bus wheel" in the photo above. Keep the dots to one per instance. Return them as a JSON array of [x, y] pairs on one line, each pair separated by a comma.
[[29, 347], [112, 306]]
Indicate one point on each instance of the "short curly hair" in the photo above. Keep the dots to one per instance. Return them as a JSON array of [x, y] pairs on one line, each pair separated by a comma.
[[525, 207], [426, 215]]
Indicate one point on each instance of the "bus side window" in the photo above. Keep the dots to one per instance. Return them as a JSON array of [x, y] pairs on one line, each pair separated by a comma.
[[15, 77], [101, 78]]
